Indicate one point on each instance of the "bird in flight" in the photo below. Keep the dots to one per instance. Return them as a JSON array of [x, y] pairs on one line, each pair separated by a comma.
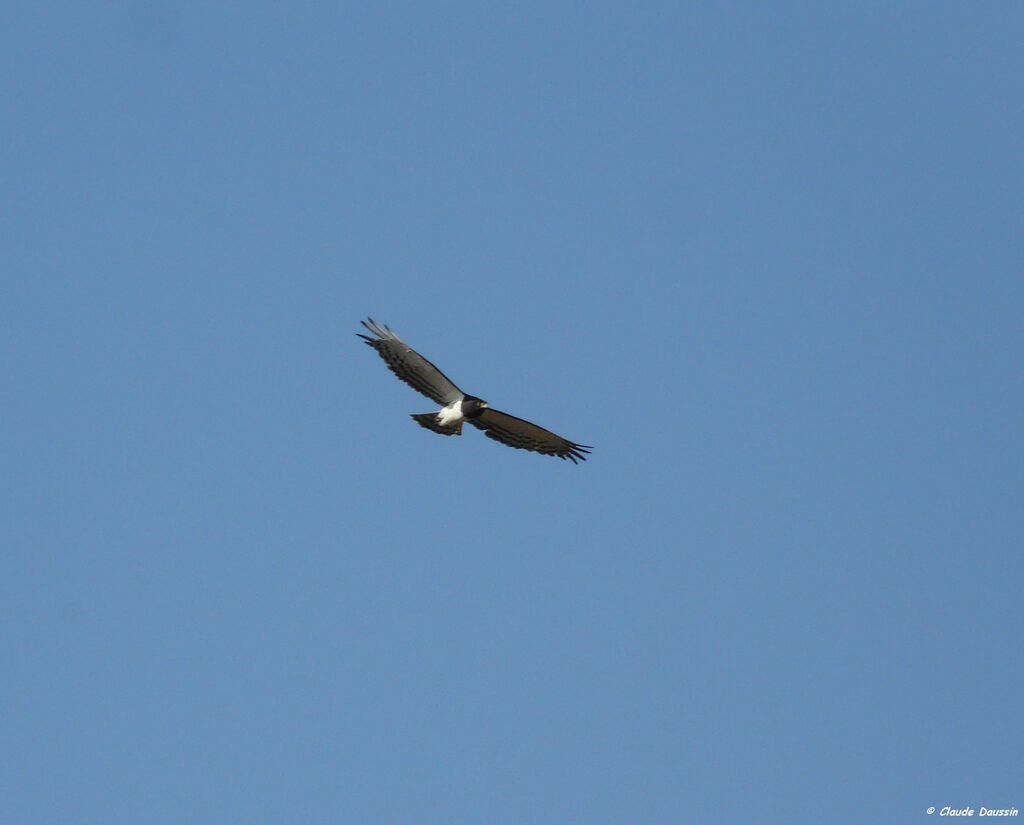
[[457, 407]]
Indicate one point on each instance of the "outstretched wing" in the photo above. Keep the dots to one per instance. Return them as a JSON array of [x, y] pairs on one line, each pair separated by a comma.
[[526, 436], [409, 365]]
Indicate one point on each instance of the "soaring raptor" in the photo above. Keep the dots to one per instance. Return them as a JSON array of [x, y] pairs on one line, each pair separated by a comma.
[[457, 407]]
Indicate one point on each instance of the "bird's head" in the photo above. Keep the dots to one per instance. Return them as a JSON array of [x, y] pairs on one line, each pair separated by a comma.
[[472, 407]]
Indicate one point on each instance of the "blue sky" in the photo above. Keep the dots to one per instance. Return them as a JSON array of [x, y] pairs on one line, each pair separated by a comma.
[[766, 258]]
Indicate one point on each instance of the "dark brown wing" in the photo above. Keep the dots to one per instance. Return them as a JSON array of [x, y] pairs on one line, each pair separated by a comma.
[[410, 366], [515, 432]]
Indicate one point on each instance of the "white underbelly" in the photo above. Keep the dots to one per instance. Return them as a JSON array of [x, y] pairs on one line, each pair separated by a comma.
[[452, 414]]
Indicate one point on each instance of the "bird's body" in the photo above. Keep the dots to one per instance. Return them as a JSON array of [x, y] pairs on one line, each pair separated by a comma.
[[451, 415], [457, 411], [458, 407], [448, 420]]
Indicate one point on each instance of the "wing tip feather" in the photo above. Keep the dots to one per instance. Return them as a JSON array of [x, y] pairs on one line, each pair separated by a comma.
[[382, 331]]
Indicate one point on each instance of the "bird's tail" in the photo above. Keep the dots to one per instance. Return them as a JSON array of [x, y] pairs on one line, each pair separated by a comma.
[[430, 421]]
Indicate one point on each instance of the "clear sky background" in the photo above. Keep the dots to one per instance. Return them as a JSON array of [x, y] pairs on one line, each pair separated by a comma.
[[767, 258]]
